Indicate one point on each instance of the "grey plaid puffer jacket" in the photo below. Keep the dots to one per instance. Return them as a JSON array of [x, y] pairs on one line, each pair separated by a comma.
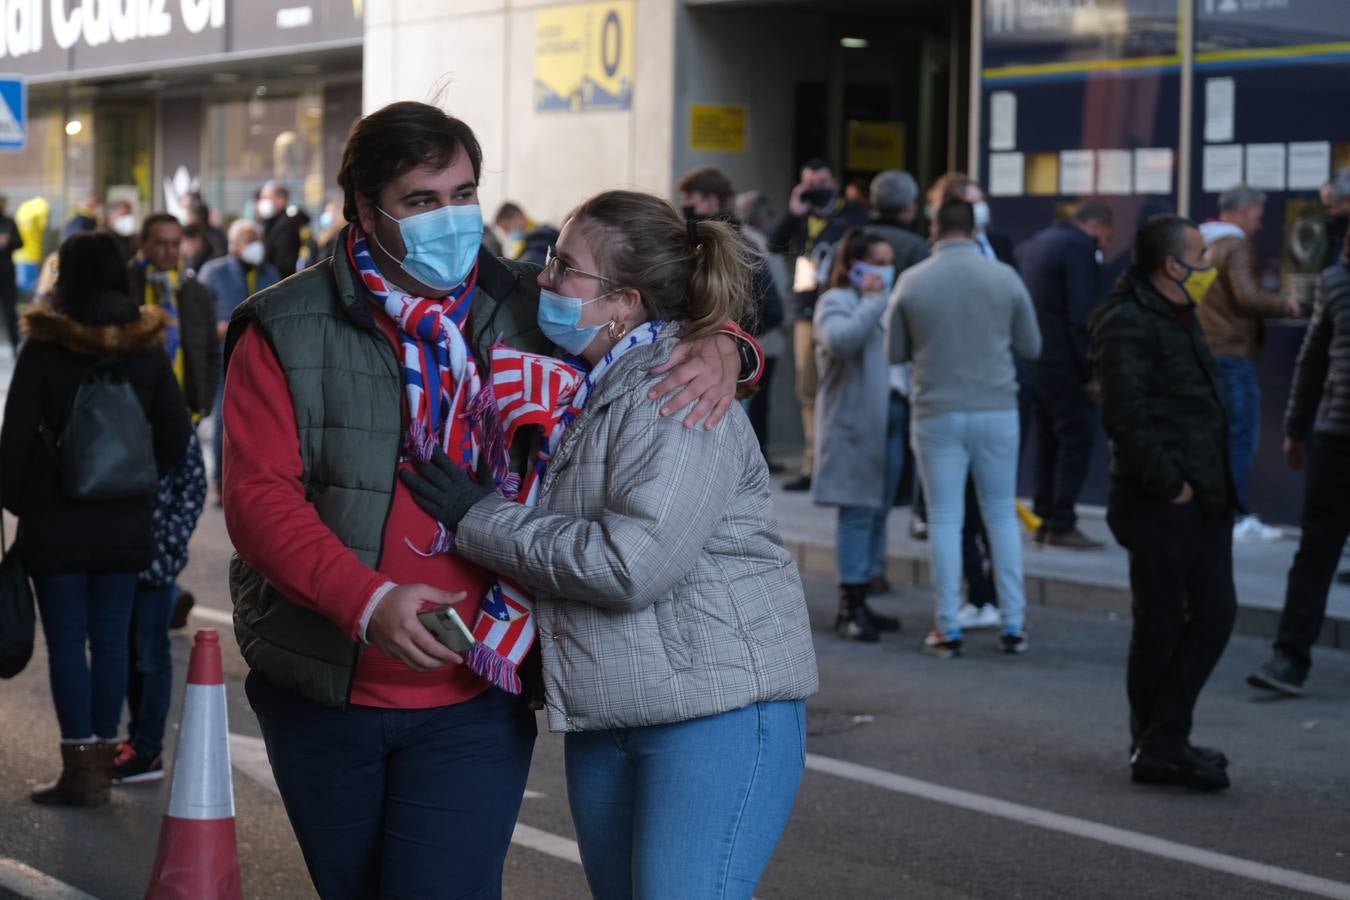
[[663, 589]]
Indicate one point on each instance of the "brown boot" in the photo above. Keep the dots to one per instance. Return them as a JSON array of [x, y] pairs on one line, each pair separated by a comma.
[[86, 776]]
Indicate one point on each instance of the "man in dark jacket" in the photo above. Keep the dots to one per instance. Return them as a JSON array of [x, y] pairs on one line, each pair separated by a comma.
[[1062, 270], [1319, 406], [1172, 499], [10, 240], [281, 233], [817, 217], [895, 206]]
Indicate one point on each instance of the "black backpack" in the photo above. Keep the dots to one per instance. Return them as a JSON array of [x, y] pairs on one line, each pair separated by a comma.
[[107, 450]]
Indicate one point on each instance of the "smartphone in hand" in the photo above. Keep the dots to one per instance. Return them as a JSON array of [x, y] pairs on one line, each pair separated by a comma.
[[448, 628]]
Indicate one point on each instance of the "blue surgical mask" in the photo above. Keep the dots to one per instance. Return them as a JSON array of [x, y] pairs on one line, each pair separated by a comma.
[[325, 220], [442, 244], [861, 270], [558, 318]]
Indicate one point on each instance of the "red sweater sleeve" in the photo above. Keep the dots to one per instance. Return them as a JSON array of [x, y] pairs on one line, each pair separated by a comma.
[[274, 529]]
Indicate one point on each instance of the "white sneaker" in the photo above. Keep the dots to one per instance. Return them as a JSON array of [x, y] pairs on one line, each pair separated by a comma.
[[970, 616], [1250, 530]]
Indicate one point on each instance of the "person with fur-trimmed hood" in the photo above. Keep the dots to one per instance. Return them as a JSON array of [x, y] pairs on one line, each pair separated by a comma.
[[84, 556]]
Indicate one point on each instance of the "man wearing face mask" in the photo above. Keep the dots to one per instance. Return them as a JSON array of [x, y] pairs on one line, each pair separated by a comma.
[[816, 218], [1062, 270], [338, 379], [232, 279], [281, 233], [1172, 496]]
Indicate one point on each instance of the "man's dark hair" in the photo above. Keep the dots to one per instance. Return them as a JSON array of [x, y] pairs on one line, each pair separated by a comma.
[[396, 139], [956, 217], [707, 180], [815, 164], [159, 218], [1094, 211], [508, 210], [88, 264], [192, 230], [1162, 236]]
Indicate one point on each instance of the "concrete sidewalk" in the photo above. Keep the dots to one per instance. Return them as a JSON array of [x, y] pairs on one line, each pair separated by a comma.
[[1096, 581]]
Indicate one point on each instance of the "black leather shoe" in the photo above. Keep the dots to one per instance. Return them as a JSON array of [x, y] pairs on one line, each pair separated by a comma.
[[1211, 756], [1187, 769], [882, 622], [800, 483], [1279, 674]]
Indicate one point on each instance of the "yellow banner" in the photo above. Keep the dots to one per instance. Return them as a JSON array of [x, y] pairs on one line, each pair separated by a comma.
[[716, 129], [873, 146], [584, 57]]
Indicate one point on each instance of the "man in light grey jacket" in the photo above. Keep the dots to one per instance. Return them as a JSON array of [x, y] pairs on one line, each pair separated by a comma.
[[961, 317]]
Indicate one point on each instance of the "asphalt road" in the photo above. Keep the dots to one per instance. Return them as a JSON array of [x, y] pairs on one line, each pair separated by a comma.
[[985, 776]]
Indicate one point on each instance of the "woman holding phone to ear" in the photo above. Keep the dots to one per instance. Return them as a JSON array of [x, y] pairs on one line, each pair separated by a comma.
[[860, 435], [675, 643]]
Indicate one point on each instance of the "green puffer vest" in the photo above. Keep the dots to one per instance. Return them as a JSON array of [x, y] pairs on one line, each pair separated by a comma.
[[347, 392]]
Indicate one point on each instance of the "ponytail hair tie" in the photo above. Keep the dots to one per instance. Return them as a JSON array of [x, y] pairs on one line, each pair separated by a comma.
[[693, 233]]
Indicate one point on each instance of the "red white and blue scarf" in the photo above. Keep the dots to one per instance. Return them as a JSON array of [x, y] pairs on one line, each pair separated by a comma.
[[529, 389]]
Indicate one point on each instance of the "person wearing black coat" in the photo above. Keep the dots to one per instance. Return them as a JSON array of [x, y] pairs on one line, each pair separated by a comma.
[[1063, 273], [1319, 409], [83, 555], [1172, 496], [281, 232]]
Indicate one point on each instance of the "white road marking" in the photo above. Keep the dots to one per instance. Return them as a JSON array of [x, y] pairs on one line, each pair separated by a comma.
[[1083, 828], [214, 616], [29, 882], [546, 842]]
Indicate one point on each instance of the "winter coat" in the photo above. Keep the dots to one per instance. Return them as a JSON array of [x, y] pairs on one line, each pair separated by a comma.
[[197, 334], [1059, 266], [852, 399], [1161, 401], [1236, 303], [281, 243], [59, 534], [1319, 400], [663, 589], [227, 280]]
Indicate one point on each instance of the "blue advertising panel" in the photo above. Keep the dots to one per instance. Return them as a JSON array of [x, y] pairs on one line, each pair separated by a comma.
[[13, 112], [1241, 24], [1040, 32]]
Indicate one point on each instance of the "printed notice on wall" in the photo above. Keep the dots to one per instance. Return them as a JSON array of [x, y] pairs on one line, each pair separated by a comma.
[[1220, 96], [1114, 168], [1222, 168], [1006, 175], [1075, 172], [1265, 166], [1153, 170], [1309, 165], [1002, 120]]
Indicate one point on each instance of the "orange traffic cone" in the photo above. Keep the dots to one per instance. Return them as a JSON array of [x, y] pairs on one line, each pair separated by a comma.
[[198, 858]]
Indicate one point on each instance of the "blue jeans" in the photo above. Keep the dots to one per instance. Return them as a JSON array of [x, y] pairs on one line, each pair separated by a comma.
[[860, 538], [948, 447], [1242, 393], [690, 809], [93, 610], [398, 803], [150, 681]]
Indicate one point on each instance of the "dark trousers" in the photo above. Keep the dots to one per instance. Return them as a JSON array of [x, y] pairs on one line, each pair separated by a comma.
[[758, 408], [150, 680], [399, 803], [1066, 428], [1326, 525], [9, 307], [1184, 603]]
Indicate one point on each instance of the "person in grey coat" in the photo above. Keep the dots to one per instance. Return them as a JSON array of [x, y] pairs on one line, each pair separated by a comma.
[[858, 462], [676, 649]]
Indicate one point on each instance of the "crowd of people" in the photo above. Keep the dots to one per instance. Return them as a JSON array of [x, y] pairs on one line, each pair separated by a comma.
[[531, 433]]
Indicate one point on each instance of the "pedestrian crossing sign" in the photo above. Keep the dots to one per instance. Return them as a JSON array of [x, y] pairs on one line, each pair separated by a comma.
[[13, 112]]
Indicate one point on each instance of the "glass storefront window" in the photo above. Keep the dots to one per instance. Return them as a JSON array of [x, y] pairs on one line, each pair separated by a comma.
[[251, 140]]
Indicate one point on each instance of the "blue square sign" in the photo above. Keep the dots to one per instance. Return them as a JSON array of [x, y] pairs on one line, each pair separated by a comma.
[[13, 112]]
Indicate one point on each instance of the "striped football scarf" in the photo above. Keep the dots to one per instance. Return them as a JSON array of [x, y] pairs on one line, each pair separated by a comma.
[[529, 389]]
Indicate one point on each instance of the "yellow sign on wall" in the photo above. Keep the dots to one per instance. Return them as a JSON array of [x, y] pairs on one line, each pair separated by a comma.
[[584, 57], [716, 129], [873, 146]]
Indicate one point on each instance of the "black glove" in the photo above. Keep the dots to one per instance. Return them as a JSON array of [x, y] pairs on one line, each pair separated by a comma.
[[444, 489]]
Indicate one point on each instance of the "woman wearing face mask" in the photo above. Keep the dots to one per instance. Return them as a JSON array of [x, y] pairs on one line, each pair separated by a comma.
[[858, 463], [672, 621]]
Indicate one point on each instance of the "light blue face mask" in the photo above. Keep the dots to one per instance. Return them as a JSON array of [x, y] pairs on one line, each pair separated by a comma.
[[558, 318], [861, 270], [442, 244]]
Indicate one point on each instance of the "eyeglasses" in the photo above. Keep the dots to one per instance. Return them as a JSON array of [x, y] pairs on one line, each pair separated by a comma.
[[556, 270]]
